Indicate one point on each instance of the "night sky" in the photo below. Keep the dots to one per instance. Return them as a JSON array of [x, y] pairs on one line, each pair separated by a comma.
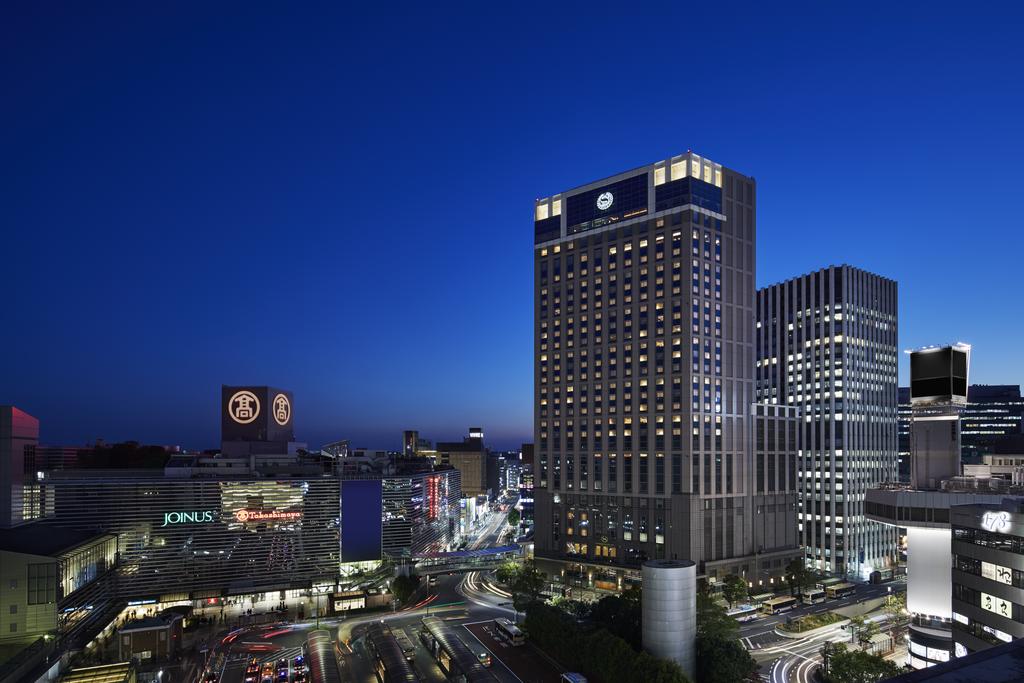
[[340, 203]]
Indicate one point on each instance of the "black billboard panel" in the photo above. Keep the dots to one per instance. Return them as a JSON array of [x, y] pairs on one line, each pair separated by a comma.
[[938, 374], [609, 203]]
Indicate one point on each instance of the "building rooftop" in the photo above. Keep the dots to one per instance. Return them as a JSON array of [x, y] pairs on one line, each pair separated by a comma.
[[1000, 664], [108, 673], [162, 620], [43, 540]]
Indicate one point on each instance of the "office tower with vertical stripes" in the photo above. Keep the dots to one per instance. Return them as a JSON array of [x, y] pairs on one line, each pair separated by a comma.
[[827, 344]]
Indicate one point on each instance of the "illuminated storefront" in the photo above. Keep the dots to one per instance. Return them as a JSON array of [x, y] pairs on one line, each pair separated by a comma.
[[200, 538]]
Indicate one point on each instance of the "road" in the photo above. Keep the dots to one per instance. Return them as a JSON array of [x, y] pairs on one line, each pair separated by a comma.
[[470, 601], [783, 660]]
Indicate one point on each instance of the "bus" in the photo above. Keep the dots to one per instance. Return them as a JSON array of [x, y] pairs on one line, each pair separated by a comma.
[[405, 642], [840, 590], [778, 605], [743, 612], [760, 598], [812, 596], [509, 631]]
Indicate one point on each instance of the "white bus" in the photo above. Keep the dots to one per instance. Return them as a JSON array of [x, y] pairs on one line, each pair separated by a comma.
[[840, 590], [813, 596], [509, 631], [777, 605], [743, 612]]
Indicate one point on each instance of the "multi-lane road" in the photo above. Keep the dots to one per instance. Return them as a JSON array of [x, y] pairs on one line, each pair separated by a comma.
[[469, 602], [783, 660]]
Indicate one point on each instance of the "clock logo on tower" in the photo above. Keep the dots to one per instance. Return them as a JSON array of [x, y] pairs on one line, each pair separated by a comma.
[[244, 407], [282, 409], [604, 200]]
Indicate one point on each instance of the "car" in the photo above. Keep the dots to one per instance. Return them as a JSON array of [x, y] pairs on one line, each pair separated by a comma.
[[485, 658]]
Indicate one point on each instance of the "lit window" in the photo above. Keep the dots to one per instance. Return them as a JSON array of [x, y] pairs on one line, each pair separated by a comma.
[[679, 170], [659, 176], [556, 206], [695, 166], [542, 212]]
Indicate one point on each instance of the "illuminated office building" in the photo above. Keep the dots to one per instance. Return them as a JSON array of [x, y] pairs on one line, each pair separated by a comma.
[[643, 372], [992, 421], [826, 343]]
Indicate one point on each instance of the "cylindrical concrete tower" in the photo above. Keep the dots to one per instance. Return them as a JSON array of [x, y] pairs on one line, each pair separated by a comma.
[[670, 611]]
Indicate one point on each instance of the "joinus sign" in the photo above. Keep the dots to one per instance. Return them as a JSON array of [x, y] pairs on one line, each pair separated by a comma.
[[197, 517]]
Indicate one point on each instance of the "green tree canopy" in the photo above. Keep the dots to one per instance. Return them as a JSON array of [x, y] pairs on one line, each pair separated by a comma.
[[734, 589], [712, 621], [402, 587], [858, 666], [798, 576], [507, 572], [723, 661], [527, 586], [621, 615]]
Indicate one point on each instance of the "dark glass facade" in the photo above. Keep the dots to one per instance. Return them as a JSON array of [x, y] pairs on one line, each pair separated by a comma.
[[628, 200]]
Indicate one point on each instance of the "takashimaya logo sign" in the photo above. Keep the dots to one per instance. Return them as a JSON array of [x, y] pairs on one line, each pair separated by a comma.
[[604, 200], [244, 407], [197, 517], [266, 515], [996, 521], [282, 409]]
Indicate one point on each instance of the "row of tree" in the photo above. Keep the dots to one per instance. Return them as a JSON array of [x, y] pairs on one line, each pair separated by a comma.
[[721, 658], [600, 655], [798, 577], [840, 665]]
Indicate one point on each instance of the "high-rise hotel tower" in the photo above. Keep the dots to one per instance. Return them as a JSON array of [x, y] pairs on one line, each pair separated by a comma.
[[826, 344], [644, 374]]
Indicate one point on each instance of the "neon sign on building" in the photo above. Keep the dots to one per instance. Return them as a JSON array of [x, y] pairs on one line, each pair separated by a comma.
[[266, 516], [996, 521], [197, 517]]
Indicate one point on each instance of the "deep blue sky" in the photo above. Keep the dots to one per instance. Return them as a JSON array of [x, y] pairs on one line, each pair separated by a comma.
[[339, 201]]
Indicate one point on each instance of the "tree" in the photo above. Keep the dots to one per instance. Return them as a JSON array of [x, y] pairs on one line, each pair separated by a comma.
[[723, 661], [828, 648], [798, 576], [734, 589], [513, 518], [720, 656], [867, 632], [621, 615], [507, 572], [402, 587], [577, 609], [895, 606], [712, 620], [854, 627], [527, 586], [858, 666]]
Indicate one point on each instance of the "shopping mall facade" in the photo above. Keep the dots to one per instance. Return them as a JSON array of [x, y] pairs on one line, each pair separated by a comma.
[[263, 523]]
